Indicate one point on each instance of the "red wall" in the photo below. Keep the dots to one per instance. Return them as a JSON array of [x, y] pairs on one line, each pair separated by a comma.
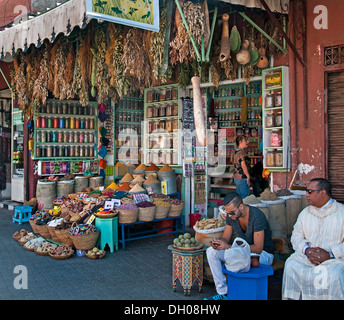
[[308, 138], [7, 9]]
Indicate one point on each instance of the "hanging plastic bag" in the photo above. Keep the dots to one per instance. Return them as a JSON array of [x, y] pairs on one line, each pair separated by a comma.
[[238, 257]]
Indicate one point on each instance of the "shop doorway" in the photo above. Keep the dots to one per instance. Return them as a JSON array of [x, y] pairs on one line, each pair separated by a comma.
[[335, 112]]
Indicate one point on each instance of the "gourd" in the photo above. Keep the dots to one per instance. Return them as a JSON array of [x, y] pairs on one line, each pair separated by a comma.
[[225, 45], [263, 61], [243, 56]]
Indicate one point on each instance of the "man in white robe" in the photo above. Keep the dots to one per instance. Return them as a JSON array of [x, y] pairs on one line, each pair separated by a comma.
[[316, 269]]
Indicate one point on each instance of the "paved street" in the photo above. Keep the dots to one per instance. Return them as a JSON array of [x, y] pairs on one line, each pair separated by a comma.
[[142, 272]]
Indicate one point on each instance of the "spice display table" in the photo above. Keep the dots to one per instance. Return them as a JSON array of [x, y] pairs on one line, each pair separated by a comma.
[[128, 235], [187, 267]]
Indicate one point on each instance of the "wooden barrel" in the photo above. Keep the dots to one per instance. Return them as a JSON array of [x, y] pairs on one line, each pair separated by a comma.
[[45, 194]]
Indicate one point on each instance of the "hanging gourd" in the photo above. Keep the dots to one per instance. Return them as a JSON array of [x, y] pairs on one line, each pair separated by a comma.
[[263, 61], [243, 56], [225, 45], [235, 40], [254, 55]]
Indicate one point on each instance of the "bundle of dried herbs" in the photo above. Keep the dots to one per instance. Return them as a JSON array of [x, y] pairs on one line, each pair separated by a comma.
[[19, 83], [135, 58]]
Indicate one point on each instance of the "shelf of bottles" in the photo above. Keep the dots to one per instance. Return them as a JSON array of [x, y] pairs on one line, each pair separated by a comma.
[[161, 144], [65, 130], [129, 117], [276, 118]]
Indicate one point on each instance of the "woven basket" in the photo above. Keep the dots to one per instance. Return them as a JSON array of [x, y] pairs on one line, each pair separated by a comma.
[[33, 225], [66, 256], [161, 212], [53, 235], [64, 237], [146, 214], [176, 210], [128, 216], [43, 231], [85, 241]]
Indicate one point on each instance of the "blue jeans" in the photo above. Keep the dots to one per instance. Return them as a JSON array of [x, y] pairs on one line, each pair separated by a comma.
[[242, 187]]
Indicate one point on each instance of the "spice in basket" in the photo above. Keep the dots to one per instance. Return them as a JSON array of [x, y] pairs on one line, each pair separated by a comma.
[[124, 187], [175, 202], [152, 167], [127, 206], [141, 167], [45, 247], [127, 178], [160, 203], [166, 167], [61, 250], [145, 204], [267, 195], [113, 186], [82, 229], [138, 179]]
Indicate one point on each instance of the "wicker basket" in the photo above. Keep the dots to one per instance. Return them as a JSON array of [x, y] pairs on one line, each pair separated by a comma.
[[128, 216], [161, 212], [33, 225], [97, 256], [176, 210], [146, 214], [43, 231], [62, 257], [53, 235], [64, 237], [85, 241]]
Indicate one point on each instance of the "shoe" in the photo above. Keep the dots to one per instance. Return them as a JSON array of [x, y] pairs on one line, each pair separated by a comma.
[[217, 297]]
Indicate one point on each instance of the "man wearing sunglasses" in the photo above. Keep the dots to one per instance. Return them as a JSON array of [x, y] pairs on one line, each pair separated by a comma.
[[316, 269], [248, 223]]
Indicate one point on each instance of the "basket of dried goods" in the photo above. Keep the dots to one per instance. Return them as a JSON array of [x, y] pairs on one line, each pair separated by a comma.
[[159, 197], [95, 253], [146, 211], [59, 200], [208, 229], [127, 213], [84, 236], [42, 227], [177, 207], [52, 226], [26, 238], [62, 232], [32, 222], [103, 213], [162, 209], [44, 248], [19, 234], [61, 252], [186, 242], [32, 244]]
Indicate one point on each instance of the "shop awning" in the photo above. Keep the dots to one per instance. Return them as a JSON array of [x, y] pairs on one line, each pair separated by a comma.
[[62, 19], [281, 6]]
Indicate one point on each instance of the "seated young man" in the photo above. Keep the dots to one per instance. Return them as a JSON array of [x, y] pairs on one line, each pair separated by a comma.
[[250, 224], [316, 269]]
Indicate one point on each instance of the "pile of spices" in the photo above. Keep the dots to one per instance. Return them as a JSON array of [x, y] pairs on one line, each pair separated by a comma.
[[166, 167], [152, 167], [124, 187]]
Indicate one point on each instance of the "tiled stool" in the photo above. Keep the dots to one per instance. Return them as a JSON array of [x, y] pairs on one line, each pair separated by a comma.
[[251, 285], [187, 267], [108, 232], [22, 214]]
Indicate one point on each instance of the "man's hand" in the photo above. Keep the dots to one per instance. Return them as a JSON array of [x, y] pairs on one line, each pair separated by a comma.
[[219, 244], [317, 255]]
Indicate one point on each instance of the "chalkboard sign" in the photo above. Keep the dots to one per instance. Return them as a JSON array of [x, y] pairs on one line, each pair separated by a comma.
[[188, 115]]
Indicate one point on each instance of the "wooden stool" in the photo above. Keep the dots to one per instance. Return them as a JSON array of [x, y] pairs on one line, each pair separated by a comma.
[[187, 267]]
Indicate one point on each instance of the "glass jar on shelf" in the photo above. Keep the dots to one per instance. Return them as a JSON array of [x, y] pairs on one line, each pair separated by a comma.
[[174, 93], [275, 138], [269, 100], [278, 99], [278, 119], [278, 158], [270, 158], [269, 120], [150, 112]]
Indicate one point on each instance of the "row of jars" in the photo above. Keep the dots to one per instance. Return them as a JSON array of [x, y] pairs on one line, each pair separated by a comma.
[[274, 158], [129, 116], [65, 137], [226, 116], [163, 94], [163, 142], [65, 108], [168, 125], [129, 129], [273, 120], [162, 157], [273, 100], [54, 151], [236, 103], [163, 110], [131, 103], [64, 123]]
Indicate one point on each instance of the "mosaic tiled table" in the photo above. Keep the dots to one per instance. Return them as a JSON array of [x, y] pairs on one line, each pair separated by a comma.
[[187, 267]]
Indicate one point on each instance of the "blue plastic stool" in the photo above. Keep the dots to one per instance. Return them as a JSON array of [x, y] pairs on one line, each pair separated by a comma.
[[251, 285], [108, 232], [22, 214]]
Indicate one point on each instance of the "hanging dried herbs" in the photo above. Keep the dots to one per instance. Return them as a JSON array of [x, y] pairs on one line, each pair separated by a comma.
[[19, 81], [40, 87], [135, 58], [182, 49]]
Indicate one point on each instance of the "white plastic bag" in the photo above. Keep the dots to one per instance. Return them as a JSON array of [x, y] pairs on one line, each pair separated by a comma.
[[238, 257]]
